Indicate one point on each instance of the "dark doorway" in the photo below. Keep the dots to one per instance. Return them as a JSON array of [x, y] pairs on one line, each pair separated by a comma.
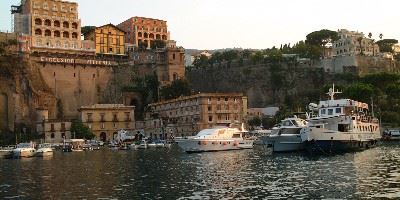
[[103, 136]]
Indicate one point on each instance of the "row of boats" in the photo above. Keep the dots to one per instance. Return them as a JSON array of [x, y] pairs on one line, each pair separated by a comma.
[[332, 126], [26, 150]]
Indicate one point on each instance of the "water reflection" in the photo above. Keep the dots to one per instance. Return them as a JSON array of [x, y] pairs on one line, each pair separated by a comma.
[[172, 174]]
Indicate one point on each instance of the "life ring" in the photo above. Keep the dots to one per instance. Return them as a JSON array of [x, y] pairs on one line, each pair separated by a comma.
[[224, 143], [235, 143]]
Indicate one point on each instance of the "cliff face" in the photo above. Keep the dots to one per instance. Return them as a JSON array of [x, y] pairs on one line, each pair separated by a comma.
[[264, 84], [21, 92]]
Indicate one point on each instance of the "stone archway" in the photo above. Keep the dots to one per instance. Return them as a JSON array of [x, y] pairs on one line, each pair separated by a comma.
[[103, 136], [3, 111]]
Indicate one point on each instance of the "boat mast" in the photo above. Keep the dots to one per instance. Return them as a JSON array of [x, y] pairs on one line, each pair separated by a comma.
[[332, 92]]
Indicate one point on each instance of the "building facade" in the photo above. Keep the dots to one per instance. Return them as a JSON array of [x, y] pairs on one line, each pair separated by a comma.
[[354, 43], [144, 30], [106, 119], [108, 39], [187, 115], [53, 130]]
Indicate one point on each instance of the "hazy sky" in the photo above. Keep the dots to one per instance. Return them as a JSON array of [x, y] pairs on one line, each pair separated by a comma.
[[210, 24]]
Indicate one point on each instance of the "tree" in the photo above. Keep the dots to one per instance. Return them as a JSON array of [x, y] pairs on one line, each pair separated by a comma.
[[176, 89], [87, 29], [359, 91], [321, 38], [256, 121], [369, 34], [81, 131], [200, 61], [360, 42], [386, 45]]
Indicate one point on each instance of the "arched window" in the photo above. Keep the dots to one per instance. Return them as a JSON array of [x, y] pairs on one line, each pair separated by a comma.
[[38, 32], [158, 37], [58, 43], [145, 35], [65, 24], [47, 33], [151, 36], [38, 21], [47, 22], [164, 37], [65, 34], [57, 23], [139, 34], [57, 34], [74, 25], [74, 35]]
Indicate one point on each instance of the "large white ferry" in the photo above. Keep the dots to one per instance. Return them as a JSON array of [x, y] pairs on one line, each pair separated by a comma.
[[217, 139], [339, 126]]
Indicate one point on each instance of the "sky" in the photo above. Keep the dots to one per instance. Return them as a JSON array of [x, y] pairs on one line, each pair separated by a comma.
[[257, 24]]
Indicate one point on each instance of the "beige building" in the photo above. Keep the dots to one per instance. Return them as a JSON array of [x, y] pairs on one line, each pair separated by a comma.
[[52, 24], [144, 30], [353, 43], [187, 115], [53, 130], [106, 119]]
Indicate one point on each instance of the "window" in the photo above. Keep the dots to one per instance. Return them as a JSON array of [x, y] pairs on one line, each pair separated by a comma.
[[57, 34], [338, 110], [330, 111], [38, 32], [65, 24], [47, 33], [127, 116], [55, 7], [66, 45], [74, 35], [52, 135], [323, 112], [102, 117], [45, 6], [39, 42], [47, 22], [210, 118], [209, 100], [65, 34], [38, 21], [209, 108], [63, 126], [52, 127], [102, 126], [115, 119], [89, 117]]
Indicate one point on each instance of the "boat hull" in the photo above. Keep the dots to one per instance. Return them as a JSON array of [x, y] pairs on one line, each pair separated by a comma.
[[195, 145], [23, 153], [44, 153], [337, 146], [285, 143]]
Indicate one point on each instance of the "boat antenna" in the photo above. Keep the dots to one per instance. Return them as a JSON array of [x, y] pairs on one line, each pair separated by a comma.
[[332, 92], [372, 107]]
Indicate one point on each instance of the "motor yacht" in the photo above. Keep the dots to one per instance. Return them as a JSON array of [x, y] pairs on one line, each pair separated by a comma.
[[44, 150], [24, 150]]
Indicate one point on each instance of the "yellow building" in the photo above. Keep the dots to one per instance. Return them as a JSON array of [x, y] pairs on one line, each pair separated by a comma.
[[106, 119], [108, 39]]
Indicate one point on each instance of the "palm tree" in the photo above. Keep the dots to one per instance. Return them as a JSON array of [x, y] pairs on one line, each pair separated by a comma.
[[369, 34], [381, 36]]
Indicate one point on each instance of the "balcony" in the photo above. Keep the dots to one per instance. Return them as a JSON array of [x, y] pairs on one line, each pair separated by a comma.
[[224, 121], [223, 111]]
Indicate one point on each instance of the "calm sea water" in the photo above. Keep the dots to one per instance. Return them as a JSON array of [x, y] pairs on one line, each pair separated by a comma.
[[172, 174]]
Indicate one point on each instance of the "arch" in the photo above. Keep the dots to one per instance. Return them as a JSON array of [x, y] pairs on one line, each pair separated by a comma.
[[65, 34], [47, 22], [57, 34], [139, 34], [58, 43], [175, 76], [3, 111], [158, 37], [38, 31], [146, 35], [56, 23], [164, 37], [74, 35], [151, 36], [74, 25], [103, 136], [38, 21], [47, 33], [65, 24]]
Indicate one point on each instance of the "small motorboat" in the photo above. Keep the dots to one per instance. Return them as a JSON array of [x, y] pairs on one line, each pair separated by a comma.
[[24, 150], [44, 150], [6, 152]]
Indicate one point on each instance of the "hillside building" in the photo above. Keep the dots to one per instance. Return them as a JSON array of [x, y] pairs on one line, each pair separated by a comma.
[[144, 30], [354, 43], [108, 39]]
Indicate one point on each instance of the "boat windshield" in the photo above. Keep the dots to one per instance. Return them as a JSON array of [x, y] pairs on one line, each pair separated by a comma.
[[207, 132], [24, 145]]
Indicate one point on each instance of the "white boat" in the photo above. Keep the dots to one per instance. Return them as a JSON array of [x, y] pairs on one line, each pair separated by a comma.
[[340, 125], [44, 150], [6, 152], [286, 136], [152, 145], [25, 150], [216, 139], [143, 145]]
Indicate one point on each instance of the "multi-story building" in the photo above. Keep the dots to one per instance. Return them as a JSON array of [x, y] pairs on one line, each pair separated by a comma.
[[52, 24], [354, 43], [108, 39], [144, 30], [53, 130], [106, 119], [187, 115]]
